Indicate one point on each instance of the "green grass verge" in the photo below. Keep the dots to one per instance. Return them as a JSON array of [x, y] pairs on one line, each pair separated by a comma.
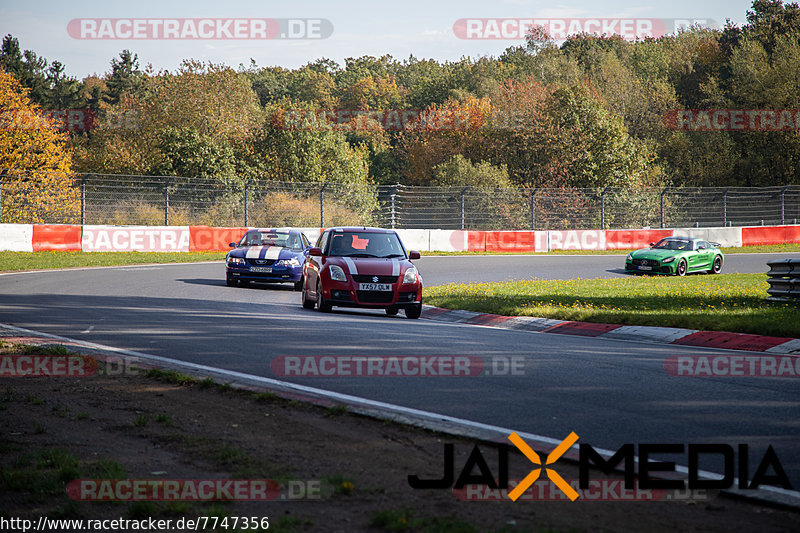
[[45, 260], [727, 302], [766, 249], [13, 261]]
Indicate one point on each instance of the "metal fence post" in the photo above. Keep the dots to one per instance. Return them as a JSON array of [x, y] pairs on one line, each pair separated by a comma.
[[246, 201], [392, 211], [725, 208], [662, 206], [322, 205], [2, 175], [83, 199], [783, 205], [166, 202], [533, 208], [603, 208], [463, 215]]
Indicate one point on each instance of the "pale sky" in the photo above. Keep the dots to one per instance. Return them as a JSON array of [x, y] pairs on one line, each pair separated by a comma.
[[422, 28]]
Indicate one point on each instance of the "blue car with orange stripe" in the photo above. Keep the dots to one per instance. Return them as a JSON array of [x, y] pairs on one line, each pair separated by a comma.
[[270, 255]]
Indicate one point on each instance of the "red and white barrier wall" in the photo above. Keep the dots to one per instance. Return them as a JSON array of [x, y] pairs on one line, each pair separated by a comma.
[[38, 237]]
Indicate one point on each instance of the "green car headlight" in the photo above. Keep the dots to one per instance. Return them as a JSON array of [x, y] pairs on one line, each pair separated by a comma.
[[629, 258], [668, 260]]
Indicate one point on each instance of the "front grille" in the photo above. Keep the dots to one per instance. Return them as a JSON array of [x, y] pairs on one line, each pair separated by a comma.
[[368, 278], [646, 262], [375, 297], [261, 262]]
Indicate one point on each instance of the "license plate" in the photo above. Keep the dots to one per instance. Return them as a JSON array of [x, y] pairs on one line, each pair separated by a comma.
[[645, 268], [265, 270], [374, 287]]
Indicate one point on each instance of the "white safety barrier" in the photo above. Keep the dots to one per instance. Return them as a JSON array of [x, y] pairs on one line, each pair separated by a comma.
[[16, 237]]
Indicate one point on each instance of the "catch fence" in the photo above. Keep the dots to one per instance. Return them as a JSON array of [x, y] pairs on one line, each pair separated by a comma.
[[158, 200]]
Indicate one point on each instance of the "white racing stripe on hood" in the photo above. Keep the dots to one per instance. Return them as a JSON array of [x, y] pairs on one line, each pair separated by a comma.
[[273, 252], [351, 265], [253, 252], [395, 267]]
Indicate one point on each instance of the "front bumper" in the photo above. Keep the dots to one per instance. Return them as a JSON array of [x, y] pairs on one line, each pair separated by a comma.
[[651, 268], [347, 294], [276, 275]]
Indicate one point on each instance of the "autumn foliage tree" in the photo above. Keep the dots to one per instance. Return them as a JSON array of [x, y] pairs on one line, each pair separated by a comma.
[[37, 181]]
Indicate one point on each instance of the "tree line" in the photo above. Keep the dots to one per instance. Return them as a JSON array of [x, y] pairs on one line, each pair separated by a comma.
[[589, 112]]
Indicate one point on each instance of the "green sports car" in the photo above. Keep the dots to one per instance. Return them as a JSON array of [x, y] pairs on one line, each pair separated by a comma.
[[678, 256]]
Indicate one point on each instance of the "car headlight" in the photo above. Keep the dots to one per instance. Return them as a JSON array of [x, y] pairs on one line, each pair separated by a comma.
[[629, 258], [293, 262], [236, 260], [337, 274], [668, 260], [410, 275]]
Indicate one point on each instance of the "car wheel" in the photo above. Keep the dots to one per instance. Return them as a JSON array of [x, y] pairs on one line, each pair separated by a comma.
[[414, 312], [307, 304], [391, 311], [322, 305], [716, 266], [298, 285], [231, 282], [681, 270]]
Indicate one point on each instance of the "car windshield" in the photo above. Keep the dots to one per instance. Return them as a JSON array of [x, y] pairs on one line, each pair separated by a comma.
[[674, 244], [273, 238], [366, 244]]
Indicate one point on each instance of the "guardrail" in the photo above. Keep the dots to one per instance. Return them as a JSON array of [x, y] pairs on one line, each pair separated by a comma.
[[110, 238], [784, 280]]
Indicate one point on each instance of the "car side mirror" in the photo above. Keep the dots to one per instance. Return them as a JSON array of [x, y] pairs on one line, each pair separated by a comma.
[[413, 254], [232, 244], [315, 251], [652, 244]]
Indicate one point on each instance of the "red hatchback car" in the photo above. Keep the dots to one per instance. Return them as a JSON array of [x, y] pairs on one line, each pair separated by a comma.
[[362, 267]]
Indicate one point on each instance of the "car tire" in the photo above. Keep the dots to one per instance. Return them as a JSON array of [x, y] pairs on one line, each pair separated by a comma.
[[391, 311], [298, 285], [322, 305], [716, 266], [414, 312], [307, 304], [231, 282], [680, 270]]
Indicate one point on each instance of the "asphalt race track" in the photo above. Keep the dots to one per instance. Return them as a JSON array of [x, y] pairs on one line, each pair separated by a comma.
[[608, 392]]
